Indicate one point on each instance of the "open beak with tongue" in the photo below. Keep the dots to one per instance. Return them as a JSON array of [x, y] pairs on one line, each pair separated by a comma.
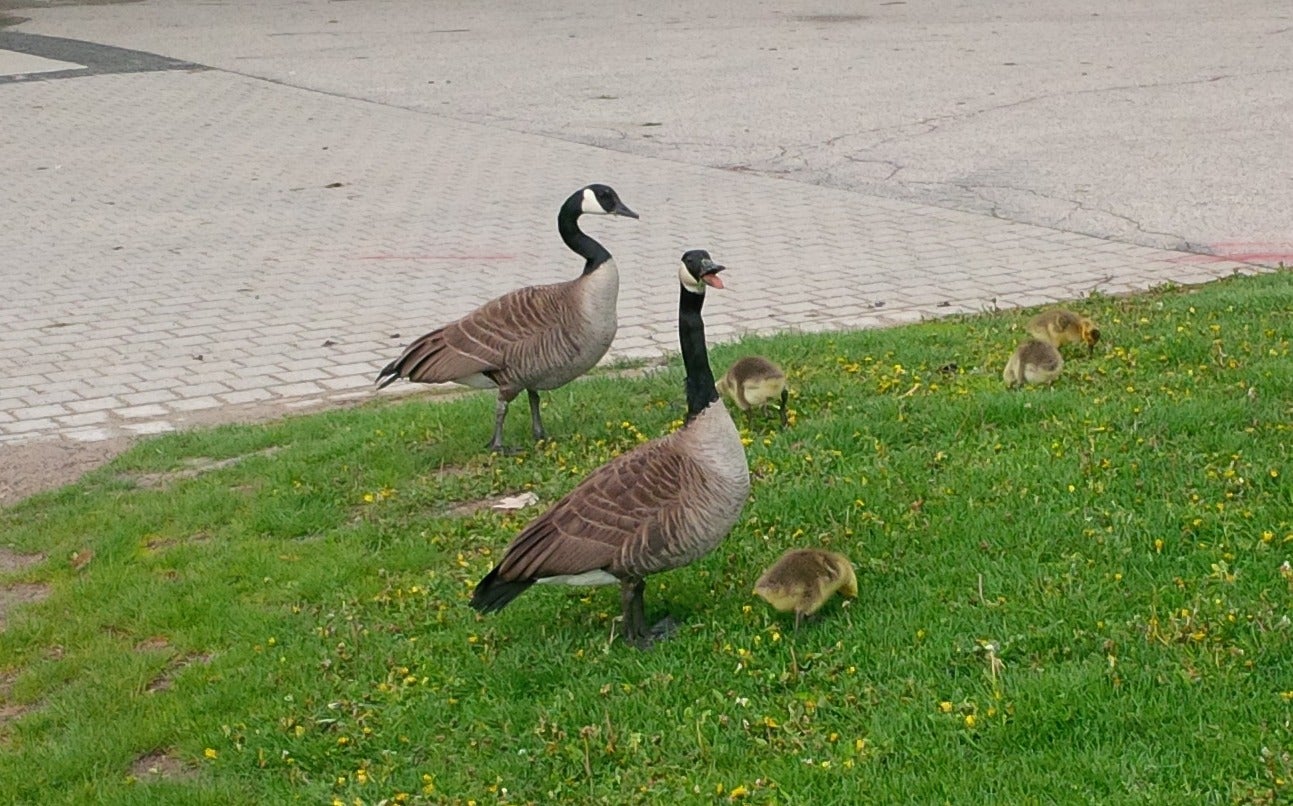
[[709, 273]]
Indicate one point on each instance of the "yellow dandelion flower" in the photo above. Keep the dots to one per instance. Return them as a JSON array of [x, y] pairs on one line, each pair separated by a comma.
[[210, 753], [945, 707], [969, 720]]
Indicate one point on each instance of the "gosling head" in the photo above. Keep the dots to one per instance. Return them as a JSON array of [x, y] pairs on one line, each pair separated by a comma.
[[699, 270], [602, 200], [1090, 335]]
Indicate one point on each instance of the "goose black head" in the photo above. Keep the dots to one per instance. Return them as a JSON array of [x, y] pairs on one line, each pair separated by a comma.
[[602, 200], [699, 270]]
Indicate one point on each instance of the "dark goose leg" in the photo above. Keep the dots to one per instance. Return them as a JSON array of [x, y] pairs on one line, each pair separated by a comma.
[[536, 422]]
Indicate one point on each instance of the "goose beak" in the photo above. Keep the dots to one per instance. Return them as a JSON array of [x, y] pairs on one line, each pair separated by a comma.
[[709, 273], [622, 209]]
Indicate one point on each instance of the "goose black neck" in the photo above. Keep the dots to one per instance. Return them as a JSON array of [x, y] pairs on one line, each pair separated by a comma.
[[593, 253], [695, 356]]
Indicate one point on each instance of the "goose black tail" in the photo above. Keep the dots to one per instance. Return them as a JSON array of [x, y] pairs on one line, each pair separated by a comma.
[[389, 374], [493, 594]]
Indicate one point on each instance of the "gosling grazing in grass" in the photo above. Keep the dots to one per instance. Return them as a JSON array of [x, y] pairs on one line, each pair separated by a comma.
[[662, 505], [804, 579], [1060, 327], [1033, 362], [538, 337], [753, 381]]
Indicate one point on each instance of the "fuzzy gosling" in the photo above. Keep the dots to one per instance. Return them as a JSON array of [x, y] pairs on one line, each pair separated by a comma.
[[804, 579], [1060, 327], [753, 381], [1033, 362]]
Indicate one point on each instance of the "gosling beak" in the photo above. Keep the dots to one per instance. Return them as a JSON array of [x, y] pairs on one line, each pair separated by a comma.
[[623, 209], [709, 273]]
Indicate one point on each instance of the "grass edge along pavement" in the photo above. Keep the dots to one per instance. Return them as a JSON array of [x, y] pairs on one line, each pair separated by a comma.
[[1079, 592]]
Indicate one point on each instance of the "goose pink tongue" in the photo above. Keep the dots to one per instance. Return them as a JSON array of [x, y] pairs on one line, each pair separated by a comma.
[[712, 280]]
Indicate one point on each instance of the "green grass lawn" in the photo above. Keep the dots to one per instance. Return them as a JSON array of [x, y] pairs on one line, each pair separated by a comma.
[[1067, 594]]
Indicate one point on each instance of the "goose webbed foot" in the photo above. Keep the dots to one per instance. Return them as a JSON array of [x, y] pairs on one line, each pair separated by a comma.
[[636, 632], [663, 630], [536, 422]]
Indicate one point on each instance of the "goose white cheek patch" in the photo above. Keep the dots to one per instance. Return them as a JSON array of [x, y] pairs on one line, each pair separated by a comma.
[[689, 282], [590, 203]]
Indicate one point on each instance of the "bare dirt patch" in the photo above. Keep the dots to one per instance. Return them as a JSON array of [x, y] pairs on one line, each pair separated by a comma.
[[195, 466], [9, 712], [47, 463], [156, 544], [13, 561], [164, 681], [31, 467], [466, 509], [159, 764], [19, 594], [152, 643]]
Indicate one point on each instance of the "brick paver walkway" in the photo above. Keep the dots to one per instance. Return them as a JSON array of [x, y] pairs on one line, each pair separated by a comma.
[[184, 241]]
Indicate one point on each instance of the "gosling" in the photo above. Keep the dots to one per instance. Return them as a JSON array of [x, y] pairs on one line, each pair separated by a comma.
[[1060, 327], [753, 381], [804, 579], [1033, 362]]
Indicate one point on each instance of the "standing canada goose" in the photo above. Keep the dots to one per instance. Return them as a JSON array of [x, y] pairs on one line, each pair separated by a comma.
[[1060, 327], [804, 579], [660, 506], [751, 382], [1033, 362], [538, 337]]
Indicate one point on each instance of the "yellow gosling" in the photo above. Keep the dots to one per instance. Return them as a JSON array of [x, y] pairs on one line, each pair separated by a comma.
[[1060, 327], [1034, 362], [752, 382], [804, 579]]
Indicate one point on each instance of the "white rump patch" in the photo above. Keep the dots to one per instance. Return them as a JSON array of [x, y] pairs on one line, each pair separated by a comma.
[[590, 203], [477, 380], [598, 577]]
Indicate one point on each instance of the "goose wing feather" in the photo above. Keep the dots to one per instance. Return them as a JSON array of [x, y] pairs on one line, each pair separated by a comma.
[[519, 329], [623, 518]]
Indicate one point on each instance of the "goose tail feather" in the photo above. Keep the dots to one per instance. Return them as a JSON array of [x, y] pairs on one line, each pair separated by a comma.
[[493, 594]]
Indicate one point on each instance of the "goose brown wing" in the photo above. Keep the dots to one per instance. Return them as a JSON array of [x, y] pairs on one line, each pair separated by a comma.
[[493, 338], [619, 519]]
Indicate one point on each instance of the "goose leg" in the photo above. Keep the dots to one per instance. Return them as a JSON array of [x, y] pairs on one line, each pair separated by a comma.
[[634, 611], [536, 422], [500, 414], [785, 399]]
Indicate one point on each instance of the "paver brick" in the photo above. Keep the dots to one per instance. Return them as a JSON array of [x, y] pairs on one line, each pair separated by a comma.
[[254, 265]]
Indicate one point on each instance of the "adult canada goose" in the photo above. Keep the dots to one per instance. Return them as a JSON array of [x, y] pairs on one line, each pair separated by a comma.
[[752, 381], [662, 505], [538, 337], [1033, 362], [802, 580], [1059, 327]]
